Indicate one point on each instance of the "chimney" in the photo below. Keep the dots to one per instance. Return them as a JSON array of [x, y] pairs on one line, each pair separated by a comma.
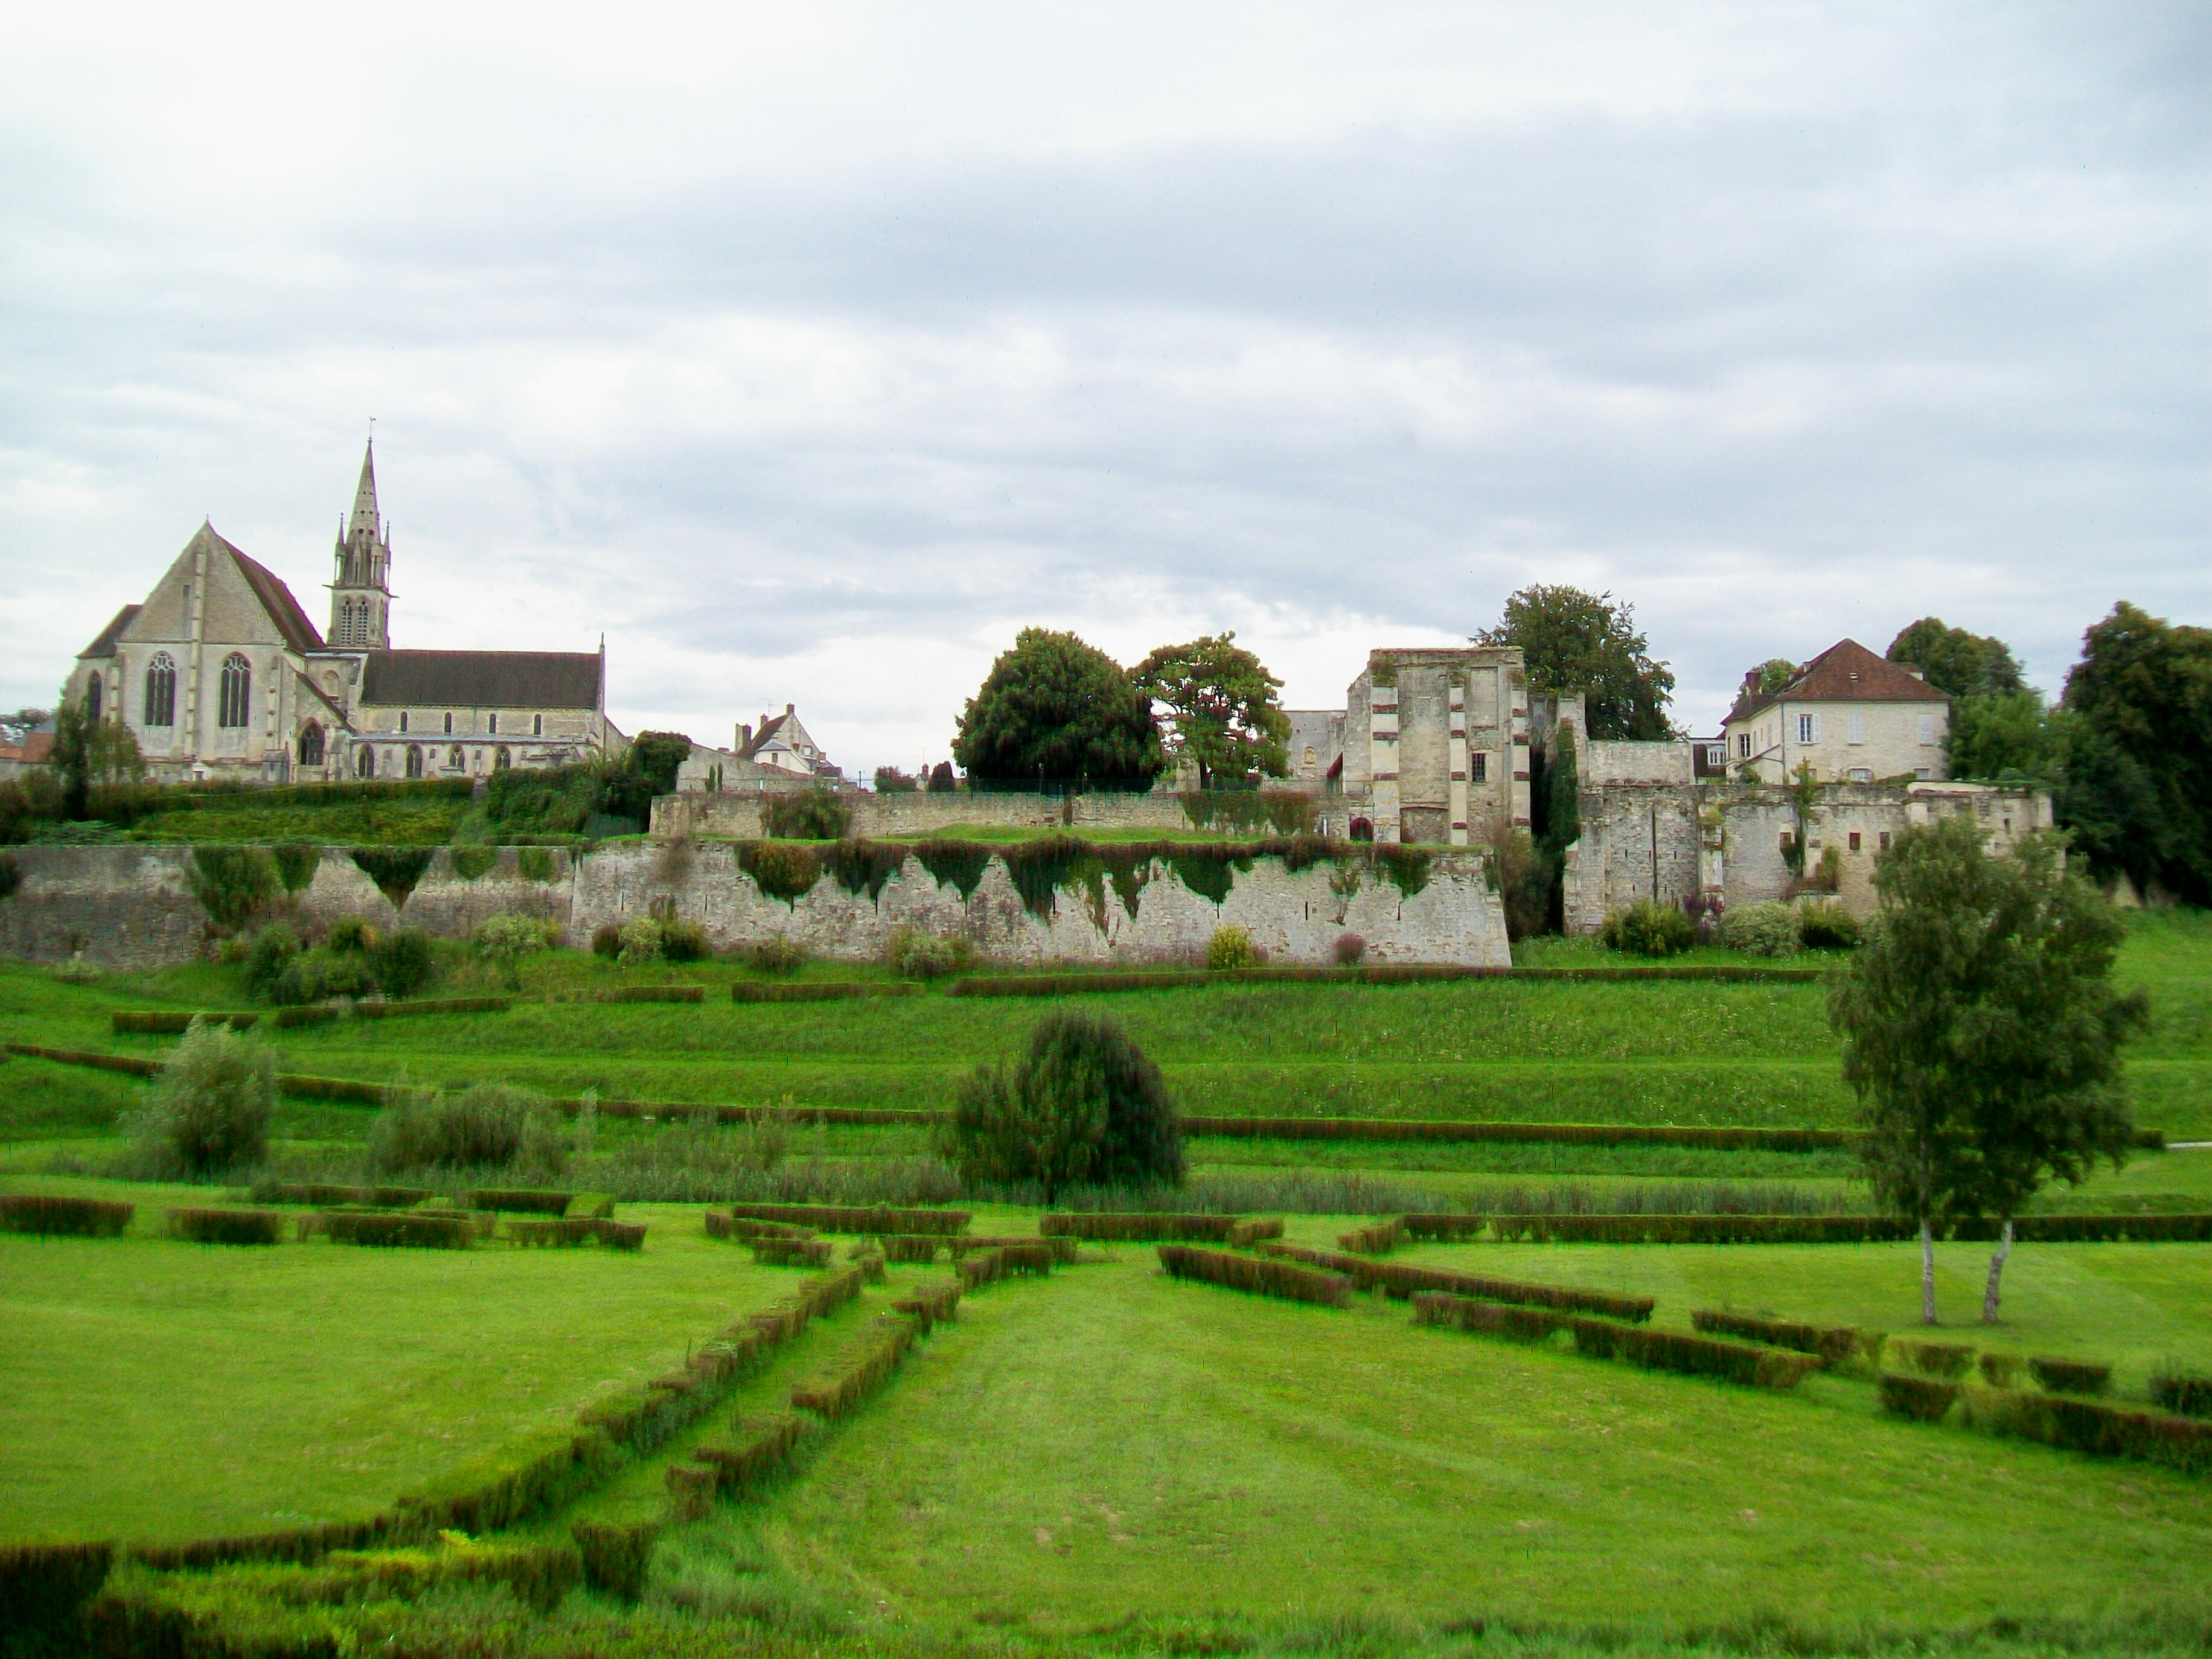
[[790, 708], [744, 735]]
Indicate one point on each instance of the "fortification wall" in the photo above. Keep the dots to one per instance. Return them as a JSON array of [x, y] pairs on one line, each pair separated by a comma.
[[736, 817], [135, 906]]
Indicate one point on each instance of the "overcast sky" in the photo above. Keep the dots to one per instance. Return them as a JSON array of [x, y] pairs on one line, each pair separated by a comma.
[[809, 352]]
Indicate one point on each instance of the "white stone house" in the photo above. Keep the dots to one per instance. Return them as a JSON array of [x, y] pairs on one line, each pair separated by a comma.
[[1848, 715]]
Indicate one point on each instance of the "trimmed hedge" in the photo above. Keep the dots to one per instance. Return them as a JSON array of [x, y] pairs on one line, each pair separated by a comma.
[[720, 1224], [1261, 1275], [225, 1226], [1377, 1238], [43, 1586], [53, 1216], [862, 1370], [520, 1201], [1253, 1229], [1830, 1343], [1922, 1399], [318, 1195], [615, 1557], [1400, 1281], [759, 1446], [930, 1305], [910, 1247], [1946, 1359], [1060, 1246], [1999, 1371], [791, 1252], [136, 1023], [825, 991], [421, 1230], [578, 1229], [1701, 1229], [1445, 1229], [1060, 985], [2071, 1375], [2092, 1427], [1557, 1134], [171, 1023], [1603, 1339], [653, 993], [2092, 1229], [2186, 1393], [1135, 1226], [875, 1219], [591, 1206]]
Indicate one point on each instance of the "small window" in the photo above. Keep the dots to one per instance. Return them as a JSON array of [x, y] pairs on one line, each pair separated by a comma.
[[235, 692], [502, 759], [537, 730], [449, 723], [414, 760], [1861, 775], [311, 745], [1857, 725], [1479, 771], [1927, 728], [455, 760], [1855, 840], [1789, 840], [403, 720], [93, 693], [1716, 754], [1743, 745], [1809, 728], [493, 728], [1884, 842], [366, 767]]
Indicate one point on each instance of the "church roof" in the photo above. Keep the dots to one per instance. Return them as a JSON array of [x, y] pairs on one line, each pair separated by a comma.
[[103, 644], [1845, 672], [277, 599], [481, 679]]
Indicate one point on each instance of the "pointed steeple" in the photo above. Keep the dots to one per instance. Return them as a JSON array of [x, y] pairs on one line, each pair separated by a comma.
[[364, 499], [360, 592]]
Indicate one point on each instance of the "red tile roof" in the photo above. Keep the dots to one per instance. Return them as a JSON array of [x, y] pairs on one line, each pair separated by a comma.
[[1845, 672]]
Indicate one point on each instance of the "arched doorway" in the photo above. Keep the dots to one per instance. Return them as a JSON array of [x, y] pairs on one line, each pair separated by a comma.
[[1362, 829]]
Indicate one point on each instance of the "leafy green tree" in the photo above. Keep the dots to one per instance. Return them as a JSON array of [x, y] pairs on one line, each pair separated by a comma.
[[90, 752], [1058, 709], [2003, 736], [2143, 687], [1221, 710], [1773, 674], [1573, 640], [208, 1112], [1083, 1105], [1982, 1033], [1964, 665]]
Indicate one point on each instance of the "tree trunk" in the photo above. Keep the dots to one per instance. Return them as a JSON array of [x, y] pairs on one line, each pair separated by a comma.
[[1927, 1273], [1997, 1271]]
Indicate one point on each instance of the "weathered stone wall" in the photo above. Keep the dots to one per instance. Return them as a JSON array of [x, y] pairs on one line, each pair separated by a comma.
[[134, 907], [737, 816], [1637, 843], [1604, 762]]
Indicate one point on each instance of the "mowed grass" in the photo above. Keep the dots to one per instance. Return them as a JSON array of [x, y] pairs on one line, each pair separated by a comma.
[[1117, 1446], [151, 1390]]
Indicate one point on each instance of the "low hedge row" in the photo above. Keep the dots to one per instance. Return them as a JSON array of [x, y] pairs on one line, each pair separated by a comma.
[[171, 1022], [566, 1230], [1951, 1360], [225, 1226], [866, 1219], [1922, 1398], [1060, 1246], [1443, 1229], [1400, 1281], [66, 1218], [1261, 1275], [416, 1229], [759, 1445], [43, 1587], [319, 1194], [861, 1370], [791, 1252], [1830, 1343], [930, 1304], [1253, 1229], [590, 1206], [520, 1201], [862, 1117], [616, 1555], [910, 1247], [1377, 1238], [2184, 1393], [2093, 1230], [2071, 1375], [1700, 1229], [827, 991], [653, 993], [132, 1022], [1135, 1226], [1554, 1134], [1604, 1339], [1406, 972], [721, 1224]]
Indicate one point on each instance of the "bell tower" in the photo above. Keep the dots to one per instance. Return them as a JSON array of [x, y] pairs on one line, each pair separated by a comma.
[[360, 592]]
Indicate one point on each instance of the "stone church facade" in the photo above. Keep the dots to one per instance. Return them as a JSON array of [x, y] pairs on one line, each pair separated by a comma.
[[219, 673]]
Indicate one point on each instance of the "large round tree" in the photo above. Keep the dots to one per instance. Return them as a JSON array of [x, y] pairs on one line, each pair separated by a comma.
[[1588, 642], [1057, 708]]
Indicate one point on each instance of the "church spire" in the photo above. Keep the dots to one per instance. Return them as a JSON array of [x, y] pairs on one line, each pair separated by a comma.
[[364, 499], [360, 591]]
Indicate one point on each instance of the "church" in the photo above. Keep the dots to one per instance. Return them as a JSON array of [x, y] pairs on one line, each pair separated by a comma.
[[219, 673]]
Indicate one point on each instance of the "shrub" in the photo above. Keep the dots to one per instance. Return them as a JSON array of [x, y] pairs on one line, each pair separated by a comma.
[[2000, 1370], [1830, 1343], [225, 1226], [640, 942], [2069, 1376], [232, 884], [1230, 948], [1946, 1359], [267, 957], [1261, 1275], [1647, 928], [474, 863], [607, 940], [486, 1125], [1827, 927], [775, 1252], [506, 938], [775, 956], [350, 933], [682, 940], [1922, 1398], [534, 864], [208, 1112], [1762, 930], [403, 961], [64, 1217], [806, 815], [1349, 951], [916, 955], [1083, 1105], [2187, 1393]]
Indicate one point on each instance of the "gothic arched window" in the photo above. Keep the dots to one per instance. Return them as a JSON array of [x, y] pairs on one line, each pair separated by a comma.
[[501, 761], [366, 766], [93, 691], [311, 745], [237, 691], [456, 761], [161, 690], [414, 760]]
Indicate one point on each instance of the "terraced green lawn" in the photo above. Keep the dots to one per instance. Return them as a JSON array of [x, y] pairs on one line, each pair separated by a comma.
[[151, 1390]]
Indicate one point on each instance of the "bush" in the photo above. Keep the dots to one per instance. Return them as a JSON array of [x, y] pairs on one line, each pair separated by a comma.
[[1647, 928], [487, 1126], [775, 956], [232, 884], [402, 962], [1377, 1238], [1261, 1275], [2069, 1376], [1082, 1104], [1999, 1371], [62, 1218], [1230, 948], [640, 942], [226, 1226], [917, 954], [323, 976], [350, 933], [682, 940], [607, 940], [267, 957], [2188, 1393], [1762, 930], [1827, 927], [506, 938], [1349, 951], [208, 1112], [806, 815]]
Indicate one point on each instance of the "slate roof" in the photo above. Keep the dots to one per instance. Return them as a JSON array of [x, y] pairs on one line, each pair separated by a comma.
[[103, 644], [1845, 672], [481, 679], [277, 599]]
